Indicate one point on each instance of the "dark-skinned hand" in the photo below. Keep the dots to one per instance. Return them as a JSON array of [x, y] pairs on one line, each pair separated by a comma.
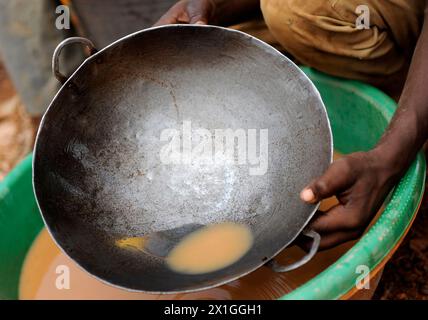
[[189, 12], [360, 182]]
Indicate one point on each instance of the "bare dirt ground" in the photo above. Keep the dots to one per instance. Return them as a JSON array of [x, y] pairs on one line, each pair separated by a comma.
[[405, 276], [16, 127]]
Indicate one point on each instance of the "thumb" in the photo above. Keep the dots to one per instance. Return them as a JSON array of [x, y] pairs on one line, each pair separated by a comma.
[[201, 11], [337, 177], [199, 18]]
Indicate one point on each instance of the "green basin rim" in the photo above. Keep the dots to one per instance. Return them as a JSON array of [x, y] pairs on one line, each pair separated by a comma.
[[340, 278]]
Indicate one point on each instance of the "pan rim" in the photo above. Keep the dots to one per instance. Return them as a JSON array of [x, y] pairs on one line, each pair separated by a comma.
[[257, 42]]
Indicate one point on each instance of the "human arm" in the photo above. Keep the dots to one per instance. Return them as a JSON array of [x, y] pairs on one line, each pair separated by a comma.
[[361, 181]]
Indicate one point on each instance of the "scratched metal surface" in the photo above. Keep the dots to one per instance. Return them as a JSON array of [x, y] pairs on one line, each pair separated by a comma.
[[97, 170]]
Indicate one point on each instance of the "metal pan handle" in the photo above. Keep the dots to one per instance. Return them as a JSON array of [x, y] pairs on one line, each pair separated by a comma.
[[55, 58], [316, 239]]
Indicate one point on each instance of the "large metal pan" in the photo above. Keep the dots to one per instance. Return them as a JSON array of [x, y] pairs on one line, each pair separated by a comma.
[[97, 170]]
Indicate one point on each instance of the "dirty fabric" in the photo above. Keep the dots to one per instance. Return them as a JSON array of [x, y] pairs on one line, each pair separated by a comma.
[[323, 34], [28, 38]]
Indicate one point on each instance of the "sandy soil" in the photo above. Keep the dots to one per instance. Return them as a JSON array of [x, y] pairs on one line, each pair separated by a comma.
[[16, 127]]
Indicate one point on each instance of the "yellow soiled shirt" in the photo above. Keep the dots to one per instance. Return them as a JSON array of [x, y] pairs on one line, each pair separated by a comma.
[[323, 34]]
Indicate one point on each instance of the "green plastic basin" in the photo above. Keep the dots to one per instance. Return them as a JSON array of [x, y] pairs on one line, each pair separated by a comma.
[[358, 113]]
